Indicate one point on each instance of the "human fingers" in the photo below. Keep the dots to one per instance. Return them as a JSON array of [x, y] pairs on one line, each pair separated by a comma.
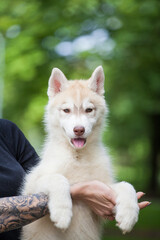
[[106, 215], [144, 204], [111, 196], [108, 209], [110, 217], [140, 194], [102, 209]]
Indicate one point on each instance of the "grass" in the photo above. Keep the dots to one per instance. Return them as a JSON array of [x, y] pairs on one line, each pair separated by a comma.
[[147, 228]]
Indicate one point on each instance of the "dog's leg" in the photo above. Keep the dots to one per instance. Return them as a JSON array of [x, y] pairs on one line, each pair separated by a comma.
[[60, 203], [57, 188], [127, 209]]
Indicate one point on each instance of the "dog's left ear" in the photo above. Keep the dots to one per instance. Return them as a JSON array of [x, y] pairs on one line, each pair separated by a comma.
[[57, 82], [96, 82]]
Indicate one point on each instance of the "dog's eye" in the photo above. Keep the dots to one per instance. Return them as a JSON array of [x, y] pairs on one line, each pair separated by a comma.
[[66, 110], [88, 110]]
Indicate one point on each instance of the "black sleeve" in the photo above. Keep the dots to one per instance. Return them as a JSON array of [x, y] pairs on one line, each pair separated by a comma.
[[18, 145], [16, 157]]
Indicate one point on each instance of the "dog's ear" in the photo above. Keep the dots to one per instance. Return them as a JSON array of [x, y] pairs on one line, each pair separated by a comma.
[[96, 82], [57, 82]]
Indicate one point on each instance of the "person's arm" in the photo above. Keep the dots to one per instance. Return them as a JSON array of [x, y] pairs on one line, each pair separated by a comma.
[[18, 211]]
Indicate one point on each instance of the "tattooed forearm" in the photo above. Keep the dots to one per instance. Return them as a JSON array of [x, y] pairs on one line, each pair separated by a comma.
[[16, 212]]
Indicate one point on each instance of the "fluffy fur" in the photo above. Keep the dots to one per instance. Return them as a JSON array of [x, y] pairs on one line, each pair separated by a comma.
[[73, 153]]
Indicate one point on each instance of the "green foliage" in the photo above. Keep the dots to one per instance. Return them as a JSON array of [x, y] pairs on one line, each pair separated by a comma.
[[123, 36]]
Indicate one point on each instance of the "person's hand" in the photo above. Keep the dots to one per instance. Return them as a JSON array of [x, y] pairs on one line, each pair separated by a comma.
[[99, 197], [144, 203]]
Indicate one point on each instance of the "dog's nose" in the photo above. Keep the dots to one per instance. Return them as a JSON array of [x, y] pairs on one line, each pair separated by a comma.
[[79, 131]]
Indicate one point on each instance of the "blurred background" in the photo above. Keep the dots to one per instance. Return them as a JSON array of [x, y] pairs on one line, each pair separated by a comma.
[[77, 36]]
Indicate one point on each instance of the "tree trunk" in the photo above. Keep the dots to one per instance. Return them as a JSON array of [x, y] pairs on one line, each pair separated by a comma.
[[155, 153]]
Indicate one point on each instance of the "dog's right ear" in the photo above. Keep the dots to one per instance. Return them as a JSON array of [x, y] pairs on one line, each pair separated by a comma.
[[57, 82], [96, 82]]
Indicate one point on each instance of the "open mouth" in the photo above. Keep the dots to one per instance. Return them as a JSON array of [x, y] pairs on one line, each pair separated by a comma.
[[78, 142]]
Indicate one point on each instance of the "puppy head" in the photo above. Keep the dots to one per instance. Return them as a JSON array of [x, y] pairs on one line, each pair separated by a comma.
[[76, 108]]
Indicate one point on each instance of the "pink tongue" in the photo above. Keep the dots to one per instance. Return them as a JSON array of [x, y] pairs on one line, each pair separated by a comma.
[[78, 142]]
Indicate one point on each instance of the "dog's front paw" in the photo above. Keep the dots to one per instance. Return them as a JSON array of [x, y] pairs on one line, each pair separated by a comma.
[[127, 209], [126, 216], [61, 217], [60, 211]]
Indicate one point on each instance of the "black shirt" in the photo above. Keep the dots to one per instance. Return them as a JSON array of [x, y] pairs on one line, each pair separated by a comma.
[[17, 156]]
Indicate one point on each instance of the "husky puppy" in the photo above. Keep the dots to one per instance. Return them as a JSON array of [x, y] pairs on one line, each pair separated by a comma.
[[73, 152]]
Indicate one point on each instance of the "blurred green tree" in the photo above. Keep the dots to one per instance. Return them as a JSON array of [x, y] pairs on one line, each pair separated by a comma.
[[76, 36], [135, 87]]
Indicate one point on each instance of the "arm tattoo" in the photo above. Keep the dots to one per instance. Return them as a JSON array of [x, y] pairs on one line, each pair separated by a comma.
[[16, 212]]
